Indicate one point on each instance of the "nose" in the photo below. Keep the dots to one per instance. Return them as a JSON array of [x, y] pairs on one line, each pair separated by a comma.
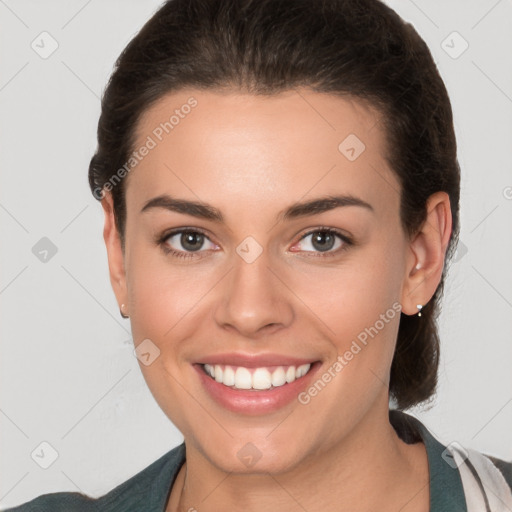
[[254, 301]]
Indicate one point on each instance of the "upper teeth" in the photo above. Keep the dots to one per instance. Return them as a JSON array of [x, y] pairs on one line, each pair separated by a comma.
[[260, 378]]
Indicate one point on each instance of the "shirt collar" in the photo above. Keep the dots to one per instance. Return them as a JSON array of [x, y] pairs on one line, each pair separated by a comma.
[[446, 490]]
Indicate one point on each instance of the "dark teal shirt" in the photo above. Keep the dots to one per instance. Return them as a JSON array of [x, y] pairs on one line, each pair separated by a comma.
[[149, 489]]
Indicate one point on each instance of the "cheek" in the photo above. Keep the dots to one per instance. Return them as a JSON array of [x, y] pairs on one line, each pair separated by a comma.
[[170, 303], [351, 295], [162, 300], [357, 305], [156, 294]]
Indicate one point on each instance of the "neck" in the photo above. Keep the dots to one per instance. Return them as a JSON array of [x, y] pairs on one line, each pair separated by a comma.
[[370, 469]]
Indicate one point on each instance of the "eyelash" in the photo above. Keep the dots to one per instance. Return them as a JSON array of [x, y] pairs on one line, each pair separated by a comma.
[[161, 241]]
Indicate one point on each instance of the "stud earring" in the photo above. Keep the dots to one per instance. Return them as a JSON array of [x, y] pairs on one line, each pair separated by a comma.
[[122, 313], [418, 266], [419, 306]]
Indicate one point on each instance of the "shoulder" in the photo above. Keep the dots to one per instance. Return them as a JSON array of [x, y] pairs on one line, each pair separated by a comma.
[[504, 466], [486, 479], [462, 474], [58, 502], [150, 487]]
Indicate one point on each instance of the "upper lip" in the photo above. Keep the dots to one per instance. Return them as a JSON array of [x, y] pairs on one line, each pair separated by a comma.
[[254, 360]]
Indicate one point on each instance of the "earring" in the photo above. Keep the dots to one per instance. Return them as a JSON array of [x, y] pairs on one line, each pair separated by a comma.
[[122, 313], [419, 306]]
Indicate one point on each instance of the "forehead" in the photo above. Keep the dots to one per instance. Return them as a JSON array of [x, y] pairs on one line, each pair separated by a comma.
[[226, 144]]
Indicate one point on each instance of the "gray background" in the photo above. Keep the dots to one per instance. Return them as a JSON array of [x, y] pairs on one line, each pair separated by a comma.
[[68, 375]]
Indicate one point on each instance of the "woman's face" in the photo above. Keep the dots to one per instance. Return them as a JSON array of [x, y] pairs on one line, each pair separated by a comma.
[[258, 283]]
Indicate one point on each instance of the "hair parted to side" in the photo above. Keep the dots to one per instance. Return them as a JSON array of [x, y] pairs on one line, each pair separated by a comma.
[[355, 48]]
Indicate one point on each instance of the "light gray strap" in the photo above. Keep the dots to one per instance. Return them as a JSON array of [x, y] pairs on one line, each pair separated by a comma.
[[485, 488]]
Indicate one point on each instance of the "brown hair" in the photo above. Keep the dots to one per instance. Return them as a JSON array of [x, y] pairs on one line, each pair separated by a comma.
[[357, 48]]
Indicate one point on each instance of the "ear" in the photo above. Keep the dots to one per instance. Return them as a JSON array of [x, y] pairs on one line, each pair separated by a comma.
[[114, 253], [428, 250]]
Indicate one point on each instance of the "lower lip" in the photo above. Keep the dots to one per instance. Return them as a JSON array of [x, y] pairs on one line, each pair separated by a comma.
[[255, 402]]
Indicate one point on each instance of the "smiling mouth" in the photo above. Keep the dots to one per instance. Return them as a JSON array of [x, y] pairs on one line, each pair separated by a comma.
[[257, 379]]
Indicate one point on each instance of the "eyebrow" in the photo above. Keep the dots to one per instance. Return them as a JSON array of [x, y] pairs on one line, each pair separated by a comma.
[[296, 210]]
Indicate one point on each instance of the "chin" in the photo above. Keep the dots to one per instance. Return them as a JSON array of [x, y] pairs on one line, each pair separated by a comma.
[[247, 458]]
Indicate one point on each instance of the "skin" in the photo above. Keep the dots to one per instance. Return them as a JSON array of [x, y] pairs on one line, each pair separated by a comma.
[[251, 157]]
